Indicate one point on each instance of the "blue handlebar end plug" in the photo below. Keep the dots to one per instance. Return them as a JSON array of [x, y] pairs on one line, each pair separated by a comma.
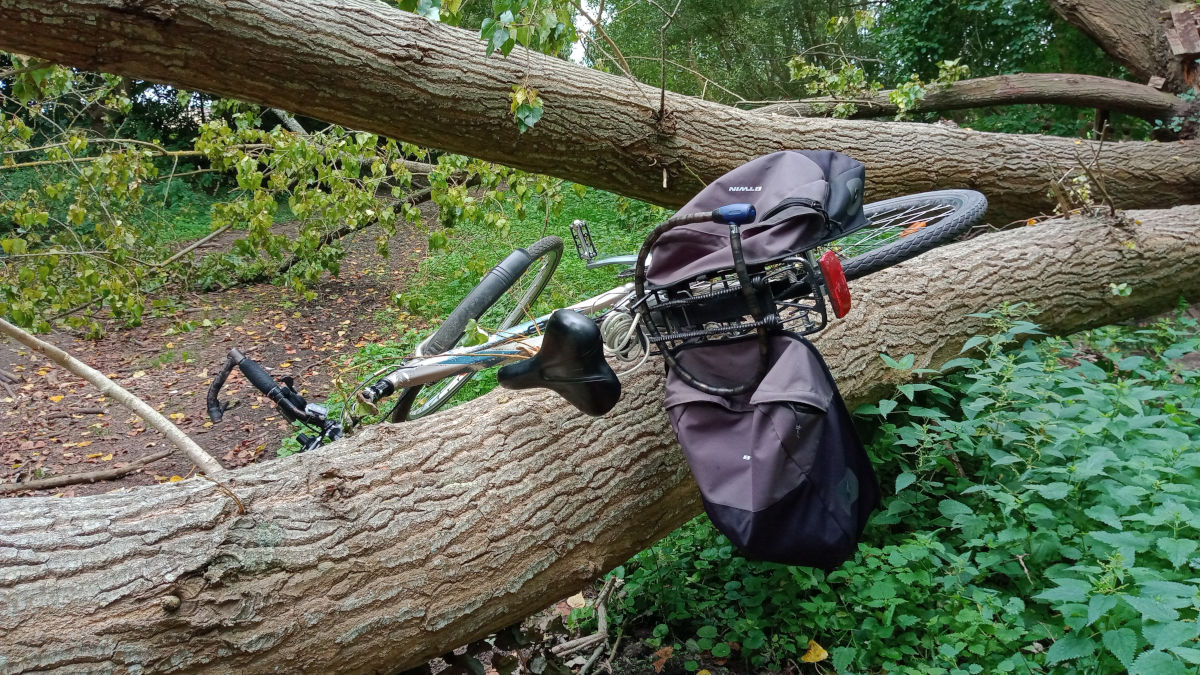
[[735, 214]]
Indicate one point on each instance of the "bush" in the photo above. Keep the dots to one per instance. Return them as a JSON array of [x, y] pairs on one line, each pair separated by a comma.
[[1043, 517]]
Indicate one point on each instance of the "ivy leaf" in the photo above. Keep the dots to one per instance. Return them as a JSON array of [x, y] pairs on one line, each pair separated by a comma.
[[1070, 647]]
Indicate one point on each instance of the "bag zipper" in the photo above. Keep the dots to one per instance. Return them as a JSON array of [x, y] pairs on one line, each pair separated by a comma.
[[797, 201]]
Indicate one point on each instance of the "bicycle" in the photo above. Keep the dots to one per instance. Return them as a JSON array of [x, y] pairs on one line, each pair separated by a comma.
[[629, 321]]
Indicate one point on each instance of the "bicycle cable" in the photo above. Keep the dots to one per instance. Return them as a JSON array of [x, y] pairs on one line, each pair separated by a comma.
[[617, 330]]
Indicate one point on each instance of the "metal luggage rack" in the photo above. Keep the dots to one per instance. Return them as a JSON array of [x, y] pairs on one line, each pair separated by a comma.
[[713, 308]]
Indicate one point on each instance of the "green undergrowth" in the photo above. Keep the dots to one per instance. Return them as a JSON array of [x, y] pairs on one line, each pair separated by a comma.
[[1041, 508], [178, 210]]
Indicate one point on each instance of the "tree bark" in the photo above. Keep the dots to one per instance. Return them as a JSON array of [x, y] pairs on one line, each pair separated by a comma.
[[1087, 91], [385, 549], [1133, 33], [369, 66]]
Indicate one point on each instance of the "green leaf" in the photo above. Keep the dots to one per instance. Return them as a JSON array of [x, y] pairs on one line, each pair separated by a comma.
[[755, 639], [886, 406], [1121, 643], [721, 650], [707, 631], [1053, 491], [1176, 550], [1068, 590], [843, 657], [1168, 635], [1189, 654], [1151, 609], [1157, 663], [904, 363], [1099, 605], [972, 343], [904, 480], [960, 363], [474, 335], [1068, 648]]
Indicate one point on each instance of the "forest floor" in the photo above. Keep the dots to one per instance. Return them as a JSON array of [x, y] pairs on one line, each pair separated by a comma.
[[54, 423]]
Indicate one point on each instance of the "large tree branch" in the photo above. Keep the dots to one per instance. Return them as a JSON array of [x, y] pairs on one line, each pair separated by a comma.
[[1133, 33], [1086, 91], [369, 66], [402, 542]]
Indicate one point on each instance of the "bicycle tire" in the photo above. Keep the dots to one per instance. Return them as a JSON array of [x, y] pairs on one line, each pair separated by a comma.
[[945, 214], [491, 290]]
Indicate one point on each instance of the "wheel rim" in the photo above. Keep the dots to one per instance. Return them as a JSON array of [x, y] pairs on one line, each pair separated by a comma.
[[888, 225], [510, 309]]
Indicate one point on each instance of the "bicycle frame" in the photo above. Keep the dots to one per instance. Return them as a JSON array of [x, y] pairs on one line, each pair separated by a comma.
[[517, 343]]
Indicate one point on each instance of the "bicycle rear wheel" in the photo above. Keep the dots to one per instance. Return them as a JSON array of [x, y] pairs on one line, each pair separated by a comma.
[[502, 299], [905, 227]]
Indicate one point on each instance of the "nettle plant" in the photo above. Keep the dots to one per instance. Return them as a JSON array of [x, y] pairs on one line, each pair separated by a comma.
[[1046, 499]]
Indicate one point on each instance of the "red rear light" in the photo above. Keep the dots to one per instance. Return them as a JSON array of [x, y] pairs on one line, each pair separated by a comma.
[[835, 281]]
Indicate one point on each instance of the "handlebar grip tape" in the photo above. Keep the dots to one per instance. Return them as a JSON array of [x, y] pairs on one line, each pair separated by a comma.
[[257, 376]]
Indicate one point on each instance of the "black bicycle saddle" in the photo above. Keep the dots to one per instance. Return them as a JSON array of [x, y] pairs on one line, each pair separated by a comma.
[[571, 363]]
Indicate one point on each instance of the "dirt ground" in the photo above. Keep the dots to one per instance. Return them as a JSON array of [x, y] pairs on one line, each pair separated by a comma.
[[54, 423]]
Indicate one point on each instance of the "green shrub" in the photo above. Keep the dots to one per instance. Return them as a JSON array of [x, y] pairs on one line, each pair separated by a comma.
[[1044, 505]]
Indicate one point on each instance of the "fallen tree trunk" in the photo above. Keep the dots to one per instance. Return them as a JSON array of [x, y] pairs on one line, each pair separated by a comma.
[[382, 550], [1133, 33], [369, 66], [1087, 91]]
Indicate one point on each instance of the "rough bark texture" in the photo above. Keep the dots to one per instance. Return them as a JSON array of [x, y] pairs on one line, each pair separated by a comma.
[[396, 545], [1130, 31], [369, 66], [1087, 91]]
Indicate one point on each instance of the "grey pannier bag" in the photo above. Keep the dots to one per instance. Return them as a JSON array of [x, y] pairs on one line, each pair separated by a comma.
[[781, 470]]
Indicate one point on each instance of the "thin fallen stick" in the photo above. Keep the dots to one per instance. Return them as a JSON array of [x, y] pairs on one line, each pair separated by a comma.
[[80, 411], [194, 452], [85, 477], [196, 244]]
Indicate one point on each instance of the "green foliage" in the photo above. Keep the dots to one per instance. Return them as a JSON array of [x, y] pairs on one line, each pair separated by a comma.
[[1180, 122], [541, 25], [1043, 517], [726, 51], [526, 107], [87, 218]]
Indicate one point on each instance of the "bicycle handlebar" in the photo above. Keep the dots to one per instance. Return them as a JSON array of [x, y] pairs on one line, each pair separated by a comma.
[[291, 404]]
